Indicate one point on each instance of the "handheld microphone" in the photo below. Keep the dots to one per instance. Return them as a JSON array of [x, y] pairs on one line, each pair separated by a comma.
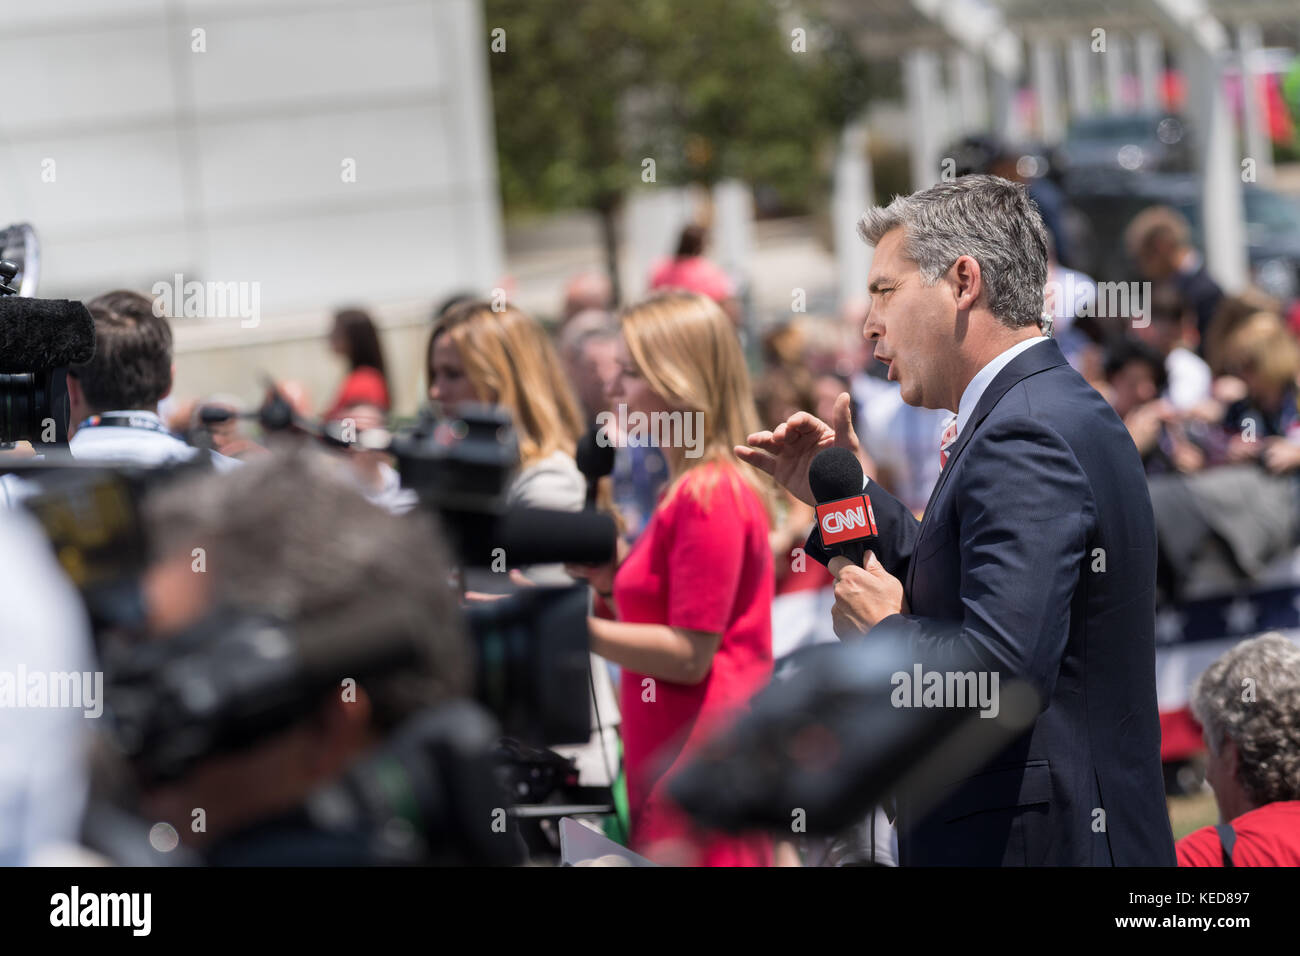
[[595, 459], [846, 524]]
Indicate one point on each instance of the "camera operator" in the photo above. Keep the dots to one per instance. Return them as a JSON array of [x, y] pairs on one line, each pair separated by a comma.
[[289, 536], [113, 399]]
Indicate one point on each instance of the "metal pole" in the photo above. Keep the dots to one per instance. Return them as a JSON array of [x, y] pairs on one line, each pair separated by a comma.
[[1047, 93]]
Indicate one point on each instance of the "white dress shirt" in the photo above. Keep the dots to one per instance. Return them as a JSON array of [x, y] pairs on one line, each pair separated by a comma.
[[975, 390], [970, 398], [148, 446]]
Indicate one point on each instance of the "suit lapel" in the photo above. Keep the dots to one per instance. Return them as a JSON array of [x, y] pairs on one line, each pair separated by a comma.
[[1038, 358]]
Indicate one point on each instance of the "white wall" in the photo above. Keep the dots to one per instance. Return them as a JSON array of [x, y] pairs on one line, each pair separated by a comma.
[[225, 165]]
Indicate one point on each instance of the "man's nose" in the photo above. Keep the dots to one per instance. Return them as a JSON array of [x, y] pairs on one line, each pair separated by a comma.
[[872, 329]]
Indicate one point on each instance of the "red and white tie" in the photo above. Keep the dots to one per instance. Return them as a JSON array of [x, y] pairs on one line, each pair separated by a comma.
[[949, 436]]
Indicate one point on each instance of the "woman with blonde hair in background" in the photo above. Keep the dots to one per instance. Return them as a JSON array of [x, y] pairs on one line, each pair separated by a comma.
[[504, 358], [1263, 413], [693, 597]]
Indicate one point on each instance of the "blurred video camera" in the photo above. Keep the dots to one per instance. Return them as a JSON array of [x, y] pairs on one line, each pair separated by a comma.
[[531, 646], [460, 467], [39, 339], [236, 679]]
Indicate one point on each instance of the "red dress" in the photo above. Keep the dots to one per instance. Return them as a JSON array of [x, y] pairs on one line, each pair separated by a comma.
[[703, 566]]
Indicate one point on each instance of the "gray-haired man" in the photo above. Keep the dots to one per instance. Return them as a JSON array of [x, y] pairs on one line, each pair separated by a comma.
[[1037, 551]]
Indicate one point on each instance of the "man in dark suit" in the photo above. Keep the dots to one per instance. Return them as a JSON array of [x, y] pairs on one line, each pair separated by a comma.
[[1037, 552]]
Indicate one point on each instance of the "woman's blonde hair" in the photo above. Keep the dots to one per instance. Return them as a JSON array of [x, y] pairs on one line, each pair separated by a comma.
[[1263, 344], [686, 348], [511, 362]]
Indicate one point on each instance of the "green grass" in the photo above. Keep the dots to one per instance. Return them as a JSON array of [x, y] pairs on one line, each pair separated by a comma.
[[1192, 812]]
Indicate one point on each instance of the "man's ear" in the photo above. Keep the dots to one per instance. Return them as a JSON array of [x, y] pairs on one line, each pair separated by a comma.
[[1231, 757], [75, 394], [967, 282], [170, 382]]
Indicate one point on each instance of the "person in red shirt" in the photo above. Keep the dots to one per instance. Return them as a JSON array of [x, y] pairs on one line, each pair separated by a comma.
[[355, 338], [1248, 702], [693, 597], [688, 270]]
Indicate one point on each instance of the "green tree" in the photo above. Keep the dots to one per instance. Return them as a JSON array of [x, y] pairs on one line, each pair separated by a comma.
[[585, 90]]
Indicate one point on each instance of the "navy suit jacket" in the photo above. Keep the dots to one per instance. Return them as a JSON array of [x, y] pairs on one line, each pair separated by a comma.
[[1037, 555]]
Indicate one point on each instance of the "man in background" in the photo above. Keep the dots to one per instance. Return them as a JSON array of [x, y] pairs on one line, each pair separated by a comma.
[[113, 399], [1159, 243]]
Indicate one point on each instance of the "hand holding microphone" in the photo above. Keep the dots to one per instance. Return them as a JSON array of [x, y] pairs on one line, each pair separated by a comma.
[[864, 596], [865, 593]]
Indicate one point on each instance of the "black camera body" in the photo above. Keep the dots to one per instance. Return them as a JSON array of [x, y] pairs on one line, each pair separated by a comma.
[[39, 340]]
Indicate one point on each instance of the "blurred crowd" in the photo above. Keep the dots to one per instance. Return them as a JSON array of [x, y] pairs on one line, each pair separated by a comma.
[[709, 586]]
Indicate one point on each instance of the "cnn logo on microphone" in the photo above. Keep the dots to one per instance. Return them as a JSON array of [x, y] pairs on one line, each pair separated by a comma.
[[846, 520]]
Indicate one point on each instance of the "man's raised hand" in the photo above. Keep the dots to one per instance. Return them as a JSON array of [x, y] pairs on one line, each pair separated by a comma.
[[787, 451]]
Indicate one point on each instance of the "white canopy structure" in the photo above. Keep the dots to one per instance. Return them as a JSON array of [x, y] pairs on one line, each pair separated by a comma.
[[1079, 57]]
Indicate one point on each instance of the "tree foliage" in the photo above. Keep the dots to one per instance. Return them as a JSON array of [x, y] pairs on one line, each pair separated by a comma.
[[585, 90]]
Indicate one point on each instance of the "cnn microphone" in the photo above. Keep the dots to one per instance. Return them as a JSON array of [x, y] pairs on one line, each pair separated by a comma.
[[595, 459], [846, 524]]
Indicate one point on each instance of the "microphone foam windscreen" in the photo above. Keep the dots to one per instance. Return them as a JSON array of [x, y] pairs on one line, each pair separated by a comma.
[[594, 458], [835, 473], [43, 333]]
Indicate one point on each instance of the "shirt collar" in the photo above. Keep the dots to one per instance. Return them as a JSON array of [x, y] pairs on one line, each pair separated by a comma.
[[148, 413], [975, 390], [147, 417]]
